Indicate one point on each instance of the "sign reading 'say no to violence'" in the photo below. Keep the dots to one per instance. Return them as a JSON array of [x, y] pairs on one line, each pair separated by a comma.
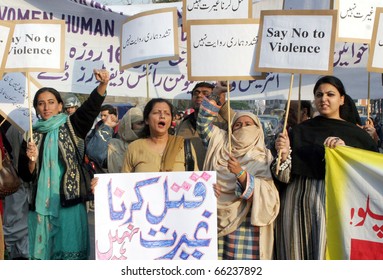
[[296, 42]]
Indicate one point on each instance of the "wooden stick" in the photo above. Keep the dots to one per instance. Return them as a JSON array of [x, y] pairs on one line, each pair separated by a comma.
[[228, 115], [30, 109], [147, 82], [299, 116], [368, 95], [285, 122], [3, 121]]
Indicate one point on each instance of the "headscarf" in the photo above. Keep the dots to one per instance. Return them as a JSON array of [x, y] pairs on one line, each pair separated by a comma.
[[125, 130], [247, 145], [117, 147], [249, 148]]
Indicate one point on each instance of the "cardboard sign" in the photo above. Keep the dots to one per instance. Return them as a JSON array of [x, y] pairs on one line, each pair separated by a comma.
[[149, 37], [14, 99], [222, 50], [356, 19], [6, 33], [37, 45], [214, 10], [375, 57], [296, 42], [156, 216]]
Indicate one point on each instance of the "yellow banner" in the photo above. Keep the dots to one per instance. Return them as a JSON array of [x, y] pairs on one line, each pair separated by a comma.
[[354, 204]]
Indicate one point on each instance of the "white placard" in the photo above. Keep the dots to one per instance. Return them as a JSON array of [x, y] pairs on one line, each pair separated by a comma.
[[14, 99], [375, 57], [37, 45], [295, 41], [6, 33], [156, 216], [356, 19], [222, 50], [149, 37], [215, 9]]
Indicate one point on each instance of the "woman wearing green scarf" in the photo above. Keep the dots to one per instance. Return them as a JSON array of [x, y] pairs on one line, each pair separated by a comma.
[[57, 222]]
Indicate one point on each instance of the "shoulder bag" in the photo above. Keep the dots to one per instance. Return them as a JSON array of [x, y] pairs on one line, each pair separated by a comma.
[[9, 179]]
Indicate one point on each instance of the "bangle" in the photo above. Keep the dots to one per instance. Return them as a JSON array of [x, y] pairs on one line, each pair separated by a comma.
[[240, 173]]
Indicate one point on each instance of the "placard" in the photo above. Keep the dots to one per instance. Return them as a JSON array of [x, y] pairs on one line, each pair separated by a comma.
[[296, 41], [156, 216], [356, 19], [37, 45], [214, 10], [149, 37], [375, 56], [6, 33], [222, 50], [14, 99]]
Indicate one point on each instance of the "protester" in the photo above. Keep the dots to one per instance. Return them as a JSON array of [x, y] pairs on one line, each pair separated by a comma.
[[248, 200], [301, 226], [379, 132], [158, 151], [4, 147], [130, 129], [350, 113], [306, 112], [370, 128], [71, 104], [57, 222], [188, 127], [98, 139], [16, 207]]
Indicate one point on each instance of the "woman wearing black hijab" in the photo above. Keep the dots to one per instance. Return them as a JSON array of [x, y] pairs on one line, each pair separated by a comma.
[[301, 226]]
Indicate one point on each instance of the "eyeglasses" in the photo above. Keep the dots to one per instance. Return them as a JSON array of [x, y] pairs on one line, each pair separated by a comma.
[[204, 92]]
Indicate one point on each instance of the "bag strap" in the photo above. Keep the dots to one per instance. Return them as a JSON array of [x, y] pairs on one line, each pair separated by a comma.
[[78, 154], [189, 161]]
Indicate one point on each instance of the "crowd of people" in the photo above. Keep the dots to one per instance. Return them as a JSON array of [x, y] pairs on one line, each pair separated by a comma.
[[270, 200]]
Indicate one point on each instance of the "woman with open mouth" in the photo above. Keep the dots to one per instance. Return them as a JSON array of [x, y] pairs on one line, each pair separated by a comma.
[[158, 150]]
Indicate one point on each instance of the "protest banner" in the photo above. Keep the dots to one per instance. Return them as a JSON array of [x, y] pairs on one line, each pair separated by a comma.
[[92, 38], [354, 204], [149, 37], [213, 10], [375, 57], [156, 216], [37, 45], [356, 19], [222, 50]]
